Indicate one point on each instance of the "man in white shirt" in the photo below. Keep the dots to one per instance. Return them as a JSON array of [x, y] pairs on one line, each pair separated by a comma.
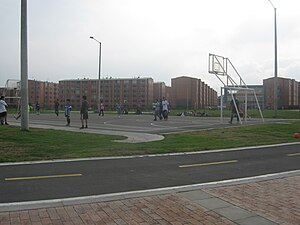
[[3, 111], [165, 108]]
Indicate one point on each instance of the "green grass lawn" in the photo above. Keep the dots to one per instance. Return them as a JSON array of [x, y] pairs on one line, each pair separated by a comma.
[[42, 144]]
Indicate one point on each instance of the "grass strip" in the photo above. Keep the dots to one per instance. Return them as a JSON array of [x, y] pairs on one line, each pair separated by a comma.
[[43, 144]]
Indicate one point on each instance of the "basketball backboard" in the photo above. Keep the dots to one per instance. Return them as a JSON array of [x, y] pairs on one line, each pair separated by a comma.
[[12, 84], [217, 64]]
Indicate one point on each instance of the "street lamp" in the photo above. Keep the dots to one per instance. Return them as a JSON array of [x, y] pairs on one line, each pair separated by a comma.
[[99, 73], [275, 63], [24, 68]]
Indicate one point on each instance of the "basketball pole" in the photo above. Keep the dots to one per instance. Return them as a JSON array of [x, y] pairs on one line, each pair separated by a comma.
[[24, 68]]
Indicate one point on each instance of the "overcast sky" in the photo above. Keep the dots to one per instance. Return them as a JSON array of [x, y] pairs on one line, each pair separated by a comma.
[[161, 39]]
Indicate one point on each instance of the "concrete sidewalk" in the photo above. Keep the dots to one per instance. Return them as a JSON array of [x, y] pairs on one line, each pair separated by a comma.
[[254, 202], [131, 137]]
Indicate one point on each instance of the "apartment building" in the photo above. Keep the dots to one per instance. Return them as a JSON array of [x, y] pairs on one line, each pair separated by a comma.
[[137, 92], [192, 93], [43, 92], [159, 90], [132, 93], [287, 93]]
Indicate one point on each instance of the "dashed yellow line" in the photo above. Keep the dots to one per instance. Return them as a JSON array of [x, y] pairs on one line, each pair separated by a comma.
[[208, 164], [42, 177], [293, 154]]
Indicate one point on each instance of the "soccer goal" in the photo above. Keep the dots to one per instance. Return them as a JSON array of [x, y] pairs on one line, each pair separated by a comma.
[[11, 92]]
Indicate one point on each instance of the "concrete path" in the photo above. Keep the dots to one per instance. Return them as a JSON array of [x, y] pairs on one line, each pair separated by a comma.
[[131, 137]]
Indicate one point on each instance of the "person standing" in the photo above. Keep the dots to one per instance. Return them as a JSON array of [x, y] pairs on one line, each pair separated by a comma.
[[119, 109], [160, 109], [3, 111], [165, 108], [84, 112], [37, 108], [68, 109], [157, 110], [101, 113], [56, 107], [234, 105]]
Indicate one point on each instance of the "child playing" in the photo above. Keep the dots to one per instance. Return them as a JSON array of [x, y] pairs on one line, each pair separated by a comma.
[[68, 109]]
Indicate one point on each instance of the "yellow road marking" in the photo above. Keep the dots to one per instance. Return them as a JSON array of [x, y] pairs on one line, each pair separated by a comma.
[[209, 164], [293, 154], [43, 177]]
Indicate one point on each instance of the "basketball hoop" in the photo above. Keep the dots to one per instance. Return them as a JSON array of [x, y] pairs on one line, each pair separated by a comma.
[[221, 67]]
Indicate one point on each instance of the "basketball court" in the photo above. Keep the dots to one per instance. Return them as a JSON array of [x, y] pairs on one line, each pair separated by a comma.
[[132, 123]]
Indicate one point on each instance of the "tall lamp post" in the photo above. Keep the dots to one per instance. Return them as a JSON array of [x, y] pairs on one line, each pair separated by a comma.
[[275, 63], [24, 68], [99, 73]]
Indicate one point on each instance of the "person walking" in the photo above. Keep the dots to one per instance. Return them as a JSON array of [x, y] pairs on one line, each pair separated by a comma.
[[68, 109], [234, 106], [84, 112], [56, 107], [3, 111]]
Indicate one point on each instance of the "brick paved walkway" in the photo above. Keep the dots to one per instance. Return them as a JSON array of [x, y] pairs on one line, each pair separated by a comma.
[[277, 200], [164, 209]]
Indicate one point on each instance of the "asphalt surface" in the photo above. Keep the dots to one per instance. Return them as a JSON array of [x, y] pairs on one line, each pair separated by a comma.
[[102, 176], [139, 123]]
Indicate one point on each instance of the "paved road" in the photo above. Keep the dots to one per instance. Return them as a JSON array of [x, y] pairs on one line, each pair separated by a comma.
[[102, 176]]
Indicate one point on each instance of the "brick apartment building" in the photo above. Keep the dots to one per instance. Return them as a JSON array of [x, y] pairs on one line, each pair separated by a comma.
[[185, 92], [43, 92], [191, 93], [133, 93], [159, 90], [288, 93]]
